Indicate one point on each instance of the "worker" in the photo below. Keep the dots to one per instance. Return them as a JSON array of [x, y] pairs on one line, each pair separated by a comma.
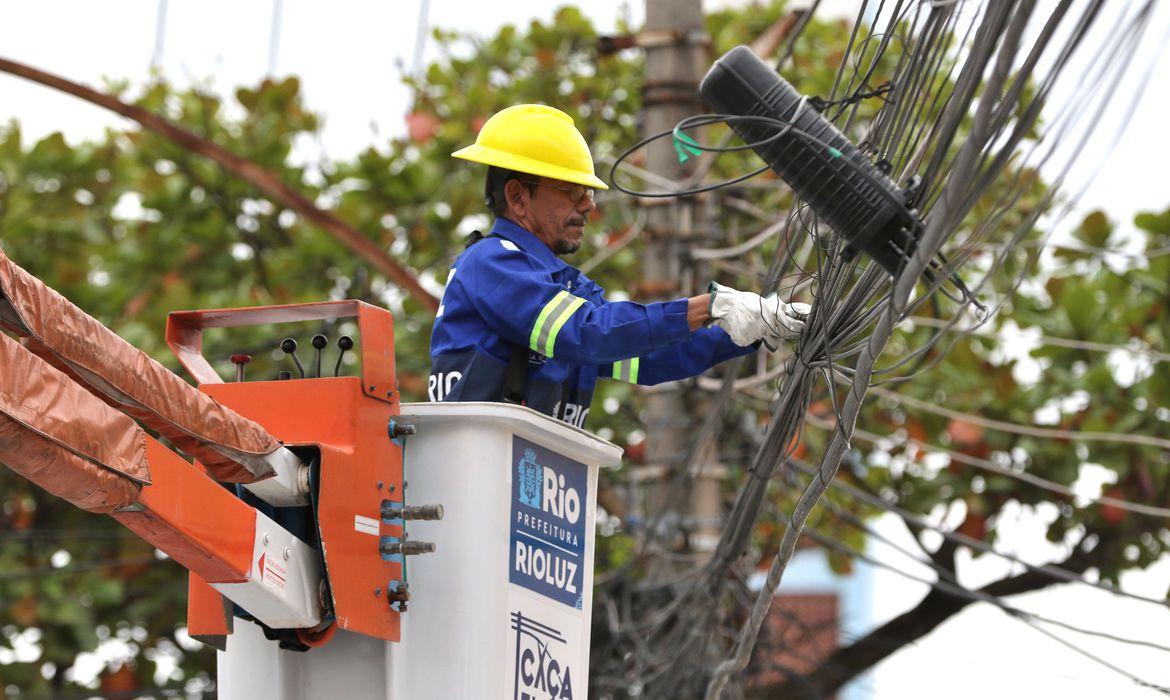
[[517, 324]]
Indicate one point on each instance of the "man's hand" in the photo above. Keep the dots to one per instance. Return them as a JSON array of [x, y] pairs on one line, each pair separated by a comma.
[[784, 321], [748, 317]]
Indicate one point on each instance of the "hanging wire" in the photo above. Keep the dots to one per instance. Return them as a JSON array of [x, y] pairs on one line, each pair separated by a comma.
[[946, 58]]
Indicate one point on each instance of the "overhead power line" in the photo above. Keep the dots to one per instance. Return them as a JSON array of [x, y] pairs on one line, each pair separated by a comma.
[[1029, 619], [1020, 428], [1051, 570], [988, 465], [420, 38], [274, 35], [1072, 343], [48, 571], [65, 534], [958, 590], [951, 583], [160, 35]]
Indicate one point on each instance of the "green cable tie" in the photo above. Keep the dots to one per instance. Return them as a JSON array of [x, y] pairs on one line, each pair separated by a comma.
[[683, 144], [834, 152]]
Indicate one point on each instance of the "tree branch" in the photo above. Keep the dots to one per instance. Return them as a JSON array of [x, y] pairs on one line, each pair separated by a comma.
[[264, 180]]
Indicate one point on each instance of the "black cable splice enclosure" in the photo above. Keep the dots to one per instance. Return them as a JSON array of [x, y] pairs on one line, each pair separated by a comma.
[[857, 200]]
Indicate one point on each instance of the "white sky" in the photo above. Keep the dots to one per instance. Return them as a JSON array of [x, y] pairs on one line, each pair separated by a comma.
[[347, 54]]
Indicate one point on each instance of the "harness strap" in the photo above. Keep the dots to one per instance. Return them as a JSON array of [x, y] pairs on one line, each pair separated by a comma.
[[516, 377]]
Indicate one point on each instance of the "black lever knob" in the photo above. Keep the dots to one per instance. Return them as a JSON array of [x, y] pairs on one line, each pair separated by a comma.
[[346, 344], [319, 343], [289, 346]]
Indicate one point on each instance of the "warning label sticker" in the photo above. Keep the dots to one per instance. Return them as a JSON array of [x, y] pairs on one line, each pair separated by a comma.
[[547, 547], [272, 573]]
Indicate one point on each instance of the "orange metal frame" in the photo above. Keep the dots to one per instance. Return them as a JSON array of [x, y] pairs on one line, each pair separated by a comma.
[[192, 518], [345, 419]]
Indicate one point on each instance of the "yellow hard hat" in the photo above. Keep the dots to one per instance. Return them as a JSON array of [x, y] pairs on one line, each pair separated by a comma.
[[534, 139]]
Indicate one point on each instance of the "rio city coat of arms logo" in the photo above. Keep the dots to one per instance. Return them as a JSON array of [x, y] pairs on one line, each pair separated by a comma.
[[529, 476]]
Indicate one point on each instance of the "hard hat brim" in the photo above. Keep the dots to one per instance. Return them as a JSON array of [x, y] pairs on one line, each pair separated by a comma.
[[510, 161]]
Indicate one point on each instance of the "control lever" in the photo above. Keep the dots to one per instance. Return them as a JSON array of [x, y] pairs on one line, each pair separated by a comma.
[[319, 343], [289, 346], [345, 343], [239, 361]]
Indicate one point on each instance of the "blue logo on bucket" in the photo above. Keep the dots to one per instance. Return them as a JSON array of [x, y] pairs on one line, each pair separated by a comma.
[[529, 476], [547, 544]]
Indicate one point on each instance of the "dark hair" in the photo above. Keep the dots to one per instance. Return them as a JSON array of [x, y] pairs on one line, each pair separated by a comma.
[[493, 190]]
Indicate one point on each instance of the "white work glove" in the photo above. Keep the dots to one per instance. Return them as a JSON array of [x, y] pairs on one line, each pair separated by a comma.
[[784, 321], [748, 317]]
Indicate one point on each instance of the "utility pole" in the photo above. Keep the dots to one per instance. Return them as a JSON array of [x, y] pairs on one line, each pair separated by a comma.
[[677, 53]]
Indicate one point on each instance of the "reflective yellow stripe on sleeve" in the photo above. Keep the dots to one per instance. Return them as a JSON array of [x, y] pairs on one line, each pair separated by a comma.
[[550, 320], [626, 370]]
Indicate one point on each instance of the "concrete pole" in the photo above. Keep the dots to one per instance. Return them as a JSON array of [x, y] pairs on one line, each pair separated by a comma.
[[677, 55]]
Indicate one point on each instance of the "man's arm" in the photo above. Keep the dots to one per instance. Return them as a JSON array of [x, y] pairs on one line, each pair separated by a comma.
[[703, 349], [519, 300], [744, 316]]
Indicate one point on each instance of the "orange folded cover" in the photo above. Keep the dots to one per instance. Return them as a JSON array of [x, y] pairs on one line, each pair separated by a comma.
[[63, 438], [231, 447]]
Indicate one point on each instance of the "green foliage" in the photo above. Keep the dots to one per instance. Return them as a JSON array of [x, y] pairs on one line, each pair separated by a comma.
[[131, 227], [1086, 388]]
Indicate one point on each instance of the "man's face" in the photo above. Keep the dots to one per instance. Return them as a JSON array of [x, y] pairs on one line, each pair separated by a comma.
[[557, 213]]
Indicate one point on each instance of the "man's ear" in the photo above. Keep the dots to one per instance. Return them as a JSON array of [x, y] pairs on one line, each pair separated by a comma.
[[517, 196]]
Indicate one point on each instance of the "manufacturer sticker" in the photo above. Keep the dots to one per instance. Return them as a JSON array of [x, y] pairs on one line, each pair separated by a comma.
[[547, 544], [365, 525]]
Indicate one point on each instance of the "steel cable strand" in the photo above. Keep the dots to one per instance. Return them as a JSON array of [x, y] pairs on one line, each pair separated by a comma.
[[930, 103], [672, 628], [795, 397], [906, 104], [932, 241], [969, 80], [1002, 253], [1026, 121]]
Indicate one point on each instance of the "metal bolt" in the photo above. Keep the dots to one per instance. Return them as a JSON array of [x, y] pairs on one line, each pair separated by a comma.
[[427, 512], [379, 485], [265, 539], [287, 553], [408, 547], [377, 592], [392, 488], [400, 430], [372, 387], [397, 594]]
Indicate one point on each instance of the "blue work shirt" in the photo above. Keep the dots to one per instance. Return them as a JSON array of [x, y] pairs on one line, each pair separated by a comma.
[[510, 290]]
